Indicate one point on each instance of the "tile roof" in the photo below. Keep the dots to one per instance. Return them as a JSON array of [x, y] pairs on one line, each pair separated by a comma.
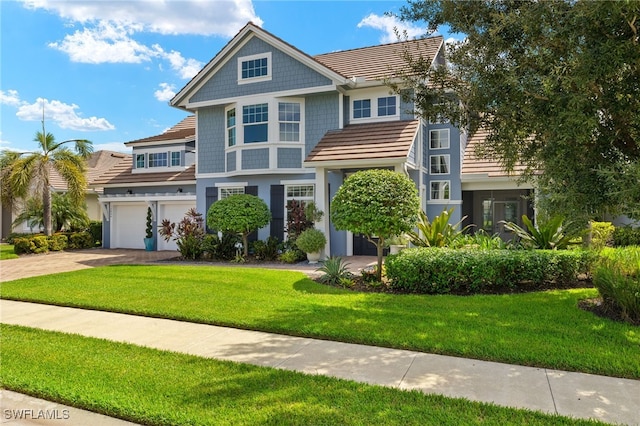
[[122, 174], [98, 163], [371, 141], [184, 131], [485, 165], [377, 62]]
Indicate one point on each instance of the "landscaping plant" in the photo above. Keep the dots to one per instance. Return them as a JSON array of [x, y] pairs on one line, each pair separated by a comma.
[[335, 271], [553, 234], [437, 233], [617, 278], [188, 234], [311, 240]]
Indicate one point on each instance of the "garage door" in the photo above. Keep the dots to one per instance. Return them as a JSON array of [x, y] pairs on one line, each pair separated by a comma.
[[128, 225], [174, 212]]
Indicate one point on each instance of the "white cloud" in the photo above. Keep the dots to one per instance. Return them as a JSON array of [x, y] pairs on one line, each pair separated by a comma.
[[165, 93], [64, 115], [391, 26], [186, 68], [112, 146], [203, 17]]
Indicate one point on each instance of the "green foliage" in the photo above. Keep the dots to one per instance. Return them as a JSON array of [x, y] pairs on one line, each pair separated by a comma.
[[335, 271], [443, 270], [149, 228], [188, 234], [601, 235], [311, 240], [65, 214], [220, 248], [290, 256], [297, 220], [617, 278], [266, 250], [376, 203], [21, 245], [240, 214], [437, 233], [626, 236], [95, 229], [58, 242], [554, 234], [481, 240], [80, 240], [525, 73]]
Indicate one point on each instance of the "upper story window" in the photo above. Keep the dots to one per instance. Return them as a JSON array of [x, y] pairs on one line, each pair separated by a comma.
[[289, 119], [439, 164], [175, 158], [231, 127], [254, 68], [374, 107], [362, 108], [140, 161], [440, 190], [386, 106], [158, 159], [255, 119], [439, 139]]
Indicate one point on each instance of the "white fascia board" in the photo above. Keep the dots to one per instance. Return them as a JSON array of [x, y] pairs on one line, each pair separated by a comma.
[[163, 142], [257, 172], [355, 164], [140, 184], [136, 198], [282, 94], [234, 46], [484, 183]]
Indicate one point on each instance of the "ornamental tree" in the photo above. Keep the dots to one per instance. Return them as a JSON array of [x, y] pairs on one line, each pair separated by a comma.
[[555, 85], [377, 204], [239, 214]]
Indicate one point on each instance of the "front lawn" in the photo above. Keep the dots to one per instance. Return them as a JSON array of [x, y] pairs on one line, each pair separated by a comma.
[[6, 252], [148, 386], [544, 329]]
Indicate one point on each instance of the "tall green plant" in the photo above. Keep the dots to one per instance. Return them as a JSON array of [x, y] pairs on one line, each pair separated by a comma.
[[617, 279], [553, 234], [437, 233], [188, 234]]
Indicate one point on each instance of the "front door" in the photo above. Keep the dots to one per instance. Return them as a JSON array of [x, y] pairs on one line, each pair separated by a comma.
[[495, 212], [363, 247]]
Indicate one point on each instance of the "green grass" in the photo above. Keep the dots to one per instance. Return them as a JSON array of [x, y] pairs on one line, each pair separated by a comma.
[[544, 329], [163, 388], [6, 252]]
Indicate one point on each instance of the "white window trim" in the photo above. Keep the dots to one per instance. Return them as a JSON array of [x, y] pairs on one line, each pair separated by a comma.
[[448, 138], [254, 79], [167, 168], [228, 187], [448, 161], [373, 96], [438, 198], [227, 128]]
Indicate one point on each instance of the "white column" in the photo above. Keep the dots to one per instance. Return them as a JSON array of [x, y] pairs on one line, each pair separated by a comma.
[[322, 203]]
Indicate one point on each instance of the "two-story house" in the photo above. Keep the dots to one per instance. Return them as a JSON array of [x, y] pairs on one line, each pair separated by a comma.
[[273, 121]]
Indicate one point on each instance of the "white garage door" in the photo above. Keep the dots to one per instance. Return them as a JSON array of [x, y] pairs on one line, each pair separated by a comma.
[[174, 212], [128, 225]]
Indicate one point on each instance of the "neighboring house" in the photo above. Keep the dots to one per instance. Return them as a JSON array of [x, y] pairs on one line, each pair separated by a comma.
[[97, 164], [273, 121], [159, 174]]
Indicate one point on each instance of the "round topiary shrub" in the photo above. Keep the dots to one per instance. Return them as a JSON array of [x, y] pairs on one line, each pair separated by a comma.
[[311, 240]]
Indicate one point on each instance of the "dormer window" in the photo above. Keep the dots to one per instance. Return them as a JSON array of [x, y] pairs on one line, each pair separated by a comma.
[[362, 108], [175, 158], [368, 106], [140, 161], [254, 68], [386, 106], [158, 159]]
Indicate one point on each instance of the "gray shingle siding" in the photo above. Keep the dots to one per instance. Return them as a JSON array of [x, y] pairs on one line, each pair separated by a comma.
[[211, 132], [287, 74], [320, 117], [231, 161], [255, 158], [289, 158]]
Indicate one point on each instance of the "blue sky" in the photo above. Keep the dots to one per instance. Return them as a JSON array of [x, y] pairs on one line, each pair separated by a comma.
[[105, 70]]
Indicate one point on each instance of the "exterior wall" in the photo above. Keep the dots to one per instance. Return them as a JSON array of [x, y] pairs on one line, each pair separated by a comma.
[[287, 74], [321, 114], [211, 131]]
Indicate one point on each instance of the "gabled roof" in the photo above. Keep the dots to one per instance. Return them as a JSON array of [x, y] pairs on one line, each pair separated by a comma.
[[122, 174], [387, 141], [377, 62], [184, 131]]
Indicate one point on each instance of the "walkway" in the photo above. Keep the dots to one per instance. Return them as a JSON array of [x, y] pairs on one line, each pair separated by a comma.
[[579, 395]]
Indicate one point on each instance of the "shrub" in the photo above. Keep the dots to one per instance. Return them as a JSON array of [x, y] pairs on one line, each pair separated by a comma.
[[95, 229], [290, 256], [437, 233], [311, 240], [443, 270], [336, 271], [553, 234], [21, 245], [39, 244], [617, 279], [57, 242], [220, 248], [266, 250], [626, 236], [188, 234], [80, 240], [481, 240], [601, 235]]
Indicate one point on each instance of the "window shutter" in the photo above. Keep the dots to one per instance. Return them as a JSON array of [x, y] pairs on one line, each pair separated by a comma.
[[277, 211], [252, 190], [211, 196]]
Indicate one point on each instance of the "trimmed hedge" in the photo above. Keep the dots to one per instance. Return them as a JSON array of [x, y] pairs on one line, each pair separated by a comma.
[[38, 243], [443, 270], [626, 236]]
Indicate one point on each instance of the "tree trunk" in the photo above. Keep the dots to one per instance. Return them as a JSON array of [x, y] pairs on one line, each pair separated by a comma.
[[46, 210], [380, 248]]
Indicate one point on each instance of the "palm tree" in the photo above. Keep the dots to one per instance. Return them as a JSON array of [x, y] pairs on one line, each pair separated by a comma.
[[27, 174]]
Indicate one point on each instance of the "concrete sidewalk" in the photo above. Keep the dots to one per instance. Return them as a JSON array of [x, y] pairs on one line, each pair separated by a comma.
[[577, 395]]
